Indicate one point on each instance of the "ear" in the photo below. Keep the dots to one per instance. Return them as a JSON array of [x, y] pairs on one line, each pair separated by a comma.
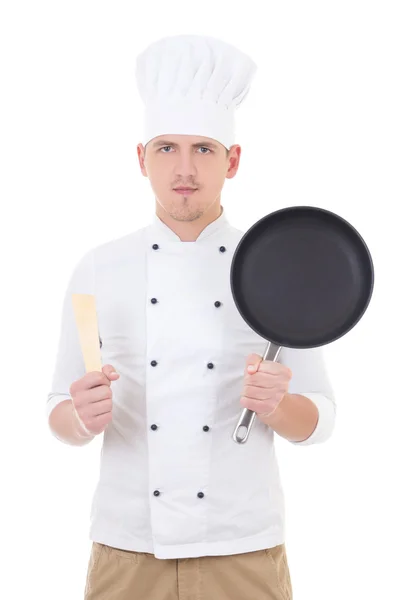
[[233, 161], [141, 157]]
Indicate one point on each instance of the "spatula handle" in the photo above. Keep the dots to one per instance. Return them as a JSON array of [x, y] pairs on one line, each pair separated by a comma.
[[247, 417], [84, 306]]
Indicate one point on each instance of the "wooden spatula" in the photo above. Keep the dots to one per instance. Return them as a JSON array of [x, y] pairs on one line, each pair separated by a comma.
[[86, 319]]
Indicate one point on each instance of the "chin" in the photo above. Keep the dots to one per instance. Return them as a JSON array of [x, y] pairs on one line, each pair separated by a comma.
[[185, 213]]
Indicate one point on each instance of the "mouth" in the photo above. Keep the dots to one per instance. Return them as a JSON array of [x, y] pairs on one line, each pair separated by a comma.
[[183, 190]]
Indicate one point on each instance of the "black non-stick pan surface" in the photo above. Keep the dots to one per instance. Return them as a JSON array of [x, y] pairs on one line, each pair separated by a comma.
[[301, 277]]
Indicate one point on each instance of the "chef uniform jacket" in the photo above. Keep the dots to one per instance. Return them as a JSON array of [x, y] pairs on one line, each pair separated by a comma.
[[172, 480]]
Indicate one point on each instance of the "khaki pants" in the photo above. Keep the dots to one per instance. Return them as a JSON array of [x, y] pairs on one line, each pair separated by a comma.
[[121, 575]]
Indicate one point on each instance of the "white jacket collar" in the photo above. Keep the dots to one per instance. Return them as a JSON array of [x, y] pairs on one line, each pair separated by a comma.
[[162, 229]]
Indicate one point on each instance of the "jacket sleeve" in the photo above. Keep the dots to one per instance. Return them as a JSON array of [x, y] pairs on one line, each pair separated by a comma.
[[69, 363], [310, 379]]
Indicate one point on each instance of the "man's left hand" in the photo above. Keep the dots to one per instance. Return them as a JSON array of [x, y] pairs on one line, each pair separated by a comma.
[[265, 384]]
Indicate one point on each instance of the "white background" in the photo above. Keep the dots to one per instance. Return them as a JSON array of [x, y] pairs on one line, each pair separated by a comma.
[[320, 127]]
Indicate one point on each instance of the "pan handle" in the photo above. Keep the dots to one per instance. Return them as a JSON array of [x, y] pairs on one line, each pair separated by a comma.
[[247, 417]]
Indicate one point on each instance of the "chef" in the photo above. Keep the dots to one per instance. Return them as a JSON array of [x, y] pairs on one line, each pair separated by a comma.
[[181, 511]]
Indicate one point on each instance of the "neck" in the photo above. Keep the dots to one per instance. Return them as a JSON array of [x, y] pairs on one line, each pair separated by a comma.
[[189, 231]]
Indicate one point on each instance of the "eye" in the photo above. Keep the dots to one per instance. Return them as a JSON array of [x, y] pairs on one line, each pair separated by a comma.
[[163, 148]]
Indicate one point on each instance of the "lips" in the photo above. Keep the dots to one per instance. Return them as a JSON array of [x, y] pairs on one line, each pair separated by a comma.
[[185, 191]]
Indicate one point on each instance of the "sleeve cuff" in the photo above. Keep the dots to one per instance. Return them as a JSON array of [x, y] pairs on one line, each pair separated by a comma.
[[326, 419], [53, 400]]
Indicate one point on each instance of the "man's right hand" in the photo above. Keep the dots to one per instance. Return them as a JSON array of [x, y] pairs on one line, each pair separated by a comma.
[[92, 399]]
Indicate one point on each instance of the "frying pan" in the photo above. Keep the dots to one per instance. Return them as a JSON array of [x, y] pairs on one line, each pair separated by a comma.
[[300, 277]]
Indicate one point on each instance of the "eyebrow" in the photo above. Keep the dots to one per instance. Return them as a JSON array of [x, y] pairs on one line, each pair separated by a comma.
[[197, 145]]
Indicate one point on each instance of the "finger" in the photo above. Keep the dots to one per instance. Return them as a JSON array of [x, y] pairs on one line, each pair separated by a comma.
[[90, 380], [253, 359], [258, 406], [261, 379], [274, 368], [102, 407], [94, 410], [259, 393], [267, 390], [98, 424], [252, 363], [110, 372], [100, 393], [92, 396]]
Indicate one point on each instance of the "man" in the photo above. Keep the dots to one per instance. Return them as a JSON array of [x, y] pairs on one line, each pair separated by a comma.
[[181, 511]]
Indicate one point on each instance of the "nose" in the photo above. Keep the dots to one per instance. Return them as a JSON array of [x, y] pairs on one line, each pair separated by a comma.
[[185, 165]]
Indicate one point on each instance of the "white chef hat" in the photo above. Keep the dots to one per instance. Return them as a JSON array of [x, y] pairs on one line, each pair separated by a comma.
[[192, 84]]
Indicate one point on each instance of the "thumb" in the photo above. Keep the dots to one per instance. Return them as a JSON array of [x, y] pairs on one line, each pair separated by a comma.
[[110, 372], [252, 362]]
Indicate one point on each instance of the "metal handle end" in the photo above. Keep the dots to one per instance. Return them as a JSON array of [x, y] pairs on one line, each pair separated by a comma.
[[240, 439]]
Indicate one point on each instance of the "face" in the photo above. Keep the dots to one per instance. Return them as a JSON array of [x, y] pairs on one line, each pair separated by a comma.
[[178, 161]]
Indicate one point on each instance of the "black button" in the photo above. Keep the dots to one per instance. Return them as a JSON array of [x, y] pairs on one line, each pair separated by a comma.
[[222, 248], [154, 300], [210, 366], [101, 343], [153, 363], [154, 427], [206, 428], [217, 303], [156, 493], [200, 495], [155, 246]]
